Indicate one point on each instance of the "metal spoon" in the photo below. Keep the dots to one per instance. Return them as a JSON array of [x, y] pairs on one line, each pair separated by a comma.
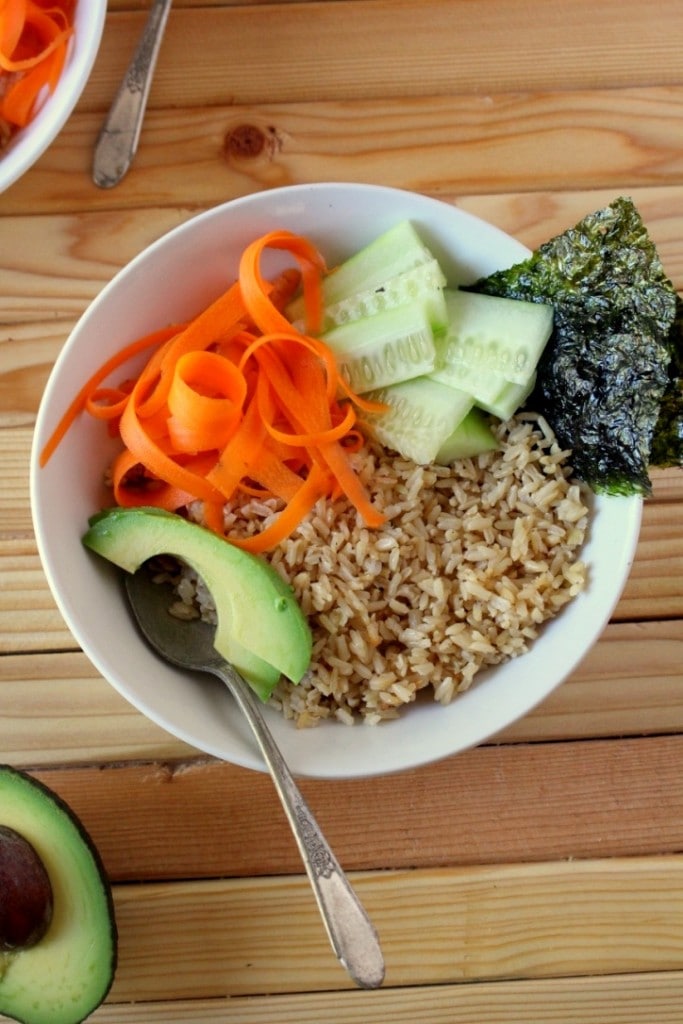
[[118, 140], [190, 645]]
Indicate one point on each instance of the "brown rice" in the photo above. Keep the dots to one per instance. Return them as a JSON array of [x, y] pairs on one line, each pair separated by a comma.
[[470, 562]]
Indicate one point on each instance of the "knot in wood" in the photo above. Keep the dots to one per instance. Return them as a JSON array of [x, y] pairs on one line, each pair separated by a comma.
[[246, 141]]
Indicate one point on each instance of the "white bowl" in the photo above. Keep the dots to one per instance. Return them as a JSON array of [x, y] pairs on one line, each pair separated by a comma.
[[171, 280], [28, 144]]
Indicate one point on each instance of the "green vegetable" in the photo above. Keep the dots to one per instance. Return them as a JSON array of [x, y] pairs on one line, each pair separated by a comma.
[[424, 283], [472, 436], [421, 416], [491, 348], [605, 371], [261, 629], [388, 257], [390, 346], [667, 443], [66, 968]]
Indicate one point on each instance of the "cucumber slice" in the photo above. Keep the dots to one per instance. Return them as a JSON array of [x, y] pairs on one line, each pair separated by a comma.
[[390, 254], [379, 350], [395, 251], [490, 391], [484, 387], [504, 337], [510, 398], [473, 436], [422, 415], [424, 283]]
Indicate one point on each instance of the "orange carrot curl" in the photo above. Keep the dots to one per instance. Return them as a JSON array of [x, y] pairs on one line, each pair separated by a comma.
[[235, 402], [34, 36]]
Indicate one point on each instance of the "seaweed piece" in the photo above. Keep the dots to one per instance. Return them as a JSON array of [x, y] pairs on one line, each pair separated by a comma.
[[667, 442], [605, 370]]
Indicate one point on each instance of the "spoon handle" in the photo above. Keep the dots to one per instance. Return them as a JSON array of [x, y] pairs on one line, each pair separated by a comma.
[[350, 930], [119, 136]]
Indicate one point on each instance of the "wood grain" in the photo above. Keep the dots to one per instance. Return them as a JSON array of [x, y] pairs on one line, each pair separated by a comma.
[[445, 144], [89, 249], [242, 937], [609, 999], [321, 51], [538, 877], [496, 804], [58, 710]]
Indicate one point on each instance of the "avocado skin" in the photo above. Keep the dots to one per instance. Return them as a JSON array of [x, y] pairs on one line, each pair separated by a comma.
[[261, 629], [69, 972]]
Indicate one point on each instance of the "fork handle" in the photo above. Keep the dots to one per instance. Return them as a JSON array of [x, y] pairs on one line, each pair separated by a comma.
[[351, 933], [118, 140]]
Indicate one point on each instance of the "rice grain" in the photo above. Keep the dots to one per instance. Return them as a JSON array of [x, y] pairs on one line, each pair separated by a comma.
[[471, 561]]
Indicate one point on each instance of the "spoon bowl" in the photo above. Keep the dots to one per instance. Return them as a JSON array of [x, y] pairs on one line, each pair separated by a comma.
[[188, 644]]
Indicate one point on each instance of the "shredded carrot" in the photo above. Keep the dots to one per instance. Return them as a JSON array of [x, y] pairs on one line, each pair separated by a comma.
[[91, 386], [34, 35], [237, 401]]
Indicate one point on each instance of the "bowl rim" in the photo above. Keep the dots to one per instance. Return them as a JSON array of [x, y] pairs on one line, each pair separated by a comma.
[[27, 146], [615, 521]]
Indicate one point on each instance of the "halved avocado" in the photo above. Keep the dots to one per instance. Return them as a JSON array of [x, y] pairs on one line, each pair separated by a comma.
[[59, 975], [261, 629]]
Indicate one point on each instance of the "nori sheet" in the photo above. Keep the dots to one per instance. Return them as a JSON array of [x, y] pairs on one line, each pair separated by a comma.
[[605, 371]]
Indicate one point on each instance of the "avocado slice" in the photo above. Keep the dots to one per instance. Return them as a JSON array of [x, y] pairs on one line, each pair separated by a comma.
[[58, 974], [261, 629]]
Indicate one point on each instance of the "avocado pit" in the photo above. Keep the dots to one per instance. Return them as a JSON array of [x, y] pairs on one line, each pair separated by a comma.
[[26, 899]]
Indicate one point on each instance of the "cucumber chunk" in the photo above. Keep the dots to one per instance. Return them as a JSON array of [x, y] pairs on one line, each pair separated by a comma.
[[509, 399], [422, 415], [383, 349], [490, 391], [424, 283], [473, 436], [392, 254], [503, 337]]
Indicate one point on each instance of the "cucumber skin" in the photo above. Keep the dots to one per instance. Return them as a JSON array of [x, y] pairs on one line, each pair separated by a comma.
[[390, 255], [472, 437]]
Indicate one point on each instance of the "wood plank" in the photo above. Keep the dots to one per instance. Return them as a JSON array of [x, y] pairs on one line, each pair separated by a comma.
[[346, 50], [497, 803], [629, 684], [77, 255], [442, 144], [535, 216], [653, 589], [29, 619], [609, 999], [58, 710], [200, 940], [89, 248]]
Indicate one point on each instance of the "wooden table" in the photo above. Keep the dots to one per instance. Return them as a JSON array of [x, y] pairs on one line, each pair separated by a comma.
[[538, 877]]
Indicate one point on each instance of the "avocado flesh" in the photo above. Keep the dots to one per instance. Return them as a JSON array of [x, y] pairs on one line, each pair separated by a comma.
[[260, 628], [68, 973]]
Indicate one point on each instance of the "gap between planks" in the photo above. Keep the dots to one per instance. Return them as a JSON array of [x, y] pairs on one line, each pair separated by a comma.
[[607, 999], [510, 802]]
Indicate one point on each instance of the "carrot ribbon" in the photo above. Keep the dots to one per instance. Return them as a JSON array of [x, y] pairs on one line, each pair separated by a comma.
[[34, 35], [235, 401]]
